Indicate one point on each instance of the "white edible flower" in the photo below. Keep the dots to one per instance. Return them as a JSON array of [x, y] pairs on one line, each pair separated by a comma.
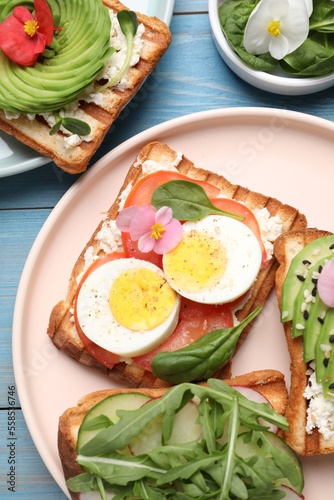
[[277, 26]]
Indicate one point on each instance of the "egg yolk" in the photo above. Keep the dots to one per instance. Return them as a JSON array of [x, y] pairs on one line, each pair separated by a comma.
[[197, 263], [141, 299]]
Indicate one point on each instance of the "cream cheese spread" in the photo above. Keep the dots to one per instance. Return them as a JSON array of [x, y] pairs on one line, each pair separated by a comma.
[[320, 411]]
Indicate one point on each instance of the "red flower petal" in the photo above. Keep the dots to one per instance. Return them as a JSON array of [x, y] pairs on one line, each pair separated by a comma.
[[15, 43], [45, 20], [22, 14]]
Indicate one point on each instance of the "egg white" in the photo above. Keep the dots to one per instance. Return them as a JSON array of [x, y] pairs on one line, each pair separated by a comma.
[[98, 323], [243, 260]]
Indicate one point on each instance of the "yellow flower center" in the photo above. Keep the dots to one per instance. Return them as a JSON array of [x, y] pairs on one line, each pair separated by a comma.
[[157, 230], [30, 27], [274, 28]]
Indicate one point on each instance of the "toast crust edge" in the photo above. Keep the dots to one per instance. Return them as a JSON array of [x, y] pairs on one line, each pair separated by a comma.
[[62, 331], [304, 444]]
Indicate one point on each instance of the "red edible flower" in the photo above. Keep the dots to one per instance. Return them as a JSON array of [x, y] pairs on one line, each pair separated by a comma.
[[24, 36]]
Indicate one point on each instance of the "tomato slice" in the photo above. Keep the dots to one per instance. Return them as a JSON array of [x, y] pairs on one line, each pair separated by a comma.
[[141, 193], [103, 356], [131, 250], [250, 220], [195, 321]]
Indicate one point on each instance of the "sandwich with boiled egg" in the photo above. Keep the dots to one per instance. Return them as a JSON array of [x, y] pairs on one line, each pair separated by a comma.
[[67, 73], [305, 291], [166, 289], [179, 442]]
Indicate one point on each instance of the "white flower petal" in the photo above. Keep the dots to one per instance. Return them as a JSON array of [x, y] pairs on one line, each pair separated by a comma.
[[256, 39], [277, 9], [309, 6], [278, 47], [293, 20]]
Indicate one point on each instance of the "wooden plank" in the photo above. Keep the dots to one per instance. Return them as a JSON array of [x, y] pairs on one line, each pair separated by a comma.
[[22, 472]]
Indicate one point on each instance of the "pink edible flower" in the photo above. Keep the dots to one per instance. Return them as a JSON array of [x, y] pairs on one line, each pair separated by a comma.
[[24, 36], [153, 229], [326, 284]]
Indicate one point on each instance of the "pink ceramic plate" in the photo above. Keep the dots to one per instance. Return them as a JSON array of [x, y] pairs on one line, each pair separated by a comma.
[[285, 154]]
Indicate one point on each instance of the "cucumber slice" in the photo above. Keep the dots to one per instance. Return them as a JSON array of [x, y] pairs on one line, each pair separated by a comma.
[[185, 430], [292, 475], [97, 418]]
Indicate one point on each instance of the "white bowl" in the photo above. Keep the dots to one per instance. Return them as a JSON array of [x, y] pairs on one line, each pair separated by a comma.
[[279, 84]]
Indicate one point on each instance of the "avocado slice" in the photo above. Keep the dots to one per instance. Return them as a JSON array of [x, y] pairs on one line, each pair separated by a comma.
[[82, 50], [300, 266], [306, 299], [324, 347], [314, 324]]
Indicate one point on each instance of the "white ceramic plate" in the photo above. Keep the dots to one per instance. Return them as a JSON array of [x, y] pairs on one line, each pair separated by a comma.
[[280, 83], [284, 154], [14, 156]]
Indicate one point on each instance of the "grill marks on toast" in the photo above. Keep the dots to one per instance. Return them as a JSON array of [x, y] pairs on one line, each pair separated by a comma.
[[286, 247], [62, 331], [35, 133]]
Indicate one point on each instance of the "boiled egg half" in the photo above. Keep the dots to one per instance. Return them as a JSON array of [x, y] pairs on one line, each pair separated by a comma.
[[217, 260], [127, 307]]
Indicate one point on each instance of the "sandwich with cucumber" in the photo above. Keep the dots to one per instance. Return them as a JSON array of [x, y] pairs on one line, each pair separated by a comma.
[[69, 68], [170, 282], [304, 286], [220, 439]]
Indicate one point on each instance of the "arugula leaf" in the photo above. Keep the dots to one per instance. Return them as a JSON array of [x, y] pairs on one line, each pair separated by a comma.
[[188, 201], [243, 466]]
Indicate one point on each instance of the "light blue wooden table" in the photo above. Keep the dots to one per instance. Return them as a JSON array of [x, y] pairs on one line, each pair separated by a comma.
[[192, 77]]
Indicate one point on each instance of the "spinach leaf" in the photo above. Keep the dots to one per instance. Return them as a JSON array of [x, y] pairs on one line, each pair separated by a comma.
[[322, 17], [201, 359], [310, 59], [188, 201], [233, 17]]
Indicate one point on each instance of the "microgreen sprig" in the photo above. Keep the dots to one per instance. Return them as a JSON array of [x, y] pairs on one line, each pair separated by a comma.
[[129, 24], [73, 125]]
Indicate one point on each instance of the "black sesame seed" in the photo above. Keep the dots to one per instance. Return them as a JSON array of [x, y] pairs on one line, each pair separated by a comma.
[[331, 386], [321, 320], [307, 262], [305, 314], [325, 362], [331, 247], [300, 277], [309, 383], [314, 291], [314, 280], [319, 269], [331, 339]]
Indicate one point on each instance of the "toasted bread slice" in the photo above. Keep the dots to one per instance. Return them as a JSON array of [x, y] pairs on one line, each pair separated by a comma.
[[62, 330], [285, 248], [270, 383], [100, 117]]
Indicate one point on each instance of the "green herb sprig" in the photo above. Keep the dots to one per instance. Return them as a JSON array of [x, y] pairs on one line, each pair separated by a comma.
[[315, 57], [250, 464]]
